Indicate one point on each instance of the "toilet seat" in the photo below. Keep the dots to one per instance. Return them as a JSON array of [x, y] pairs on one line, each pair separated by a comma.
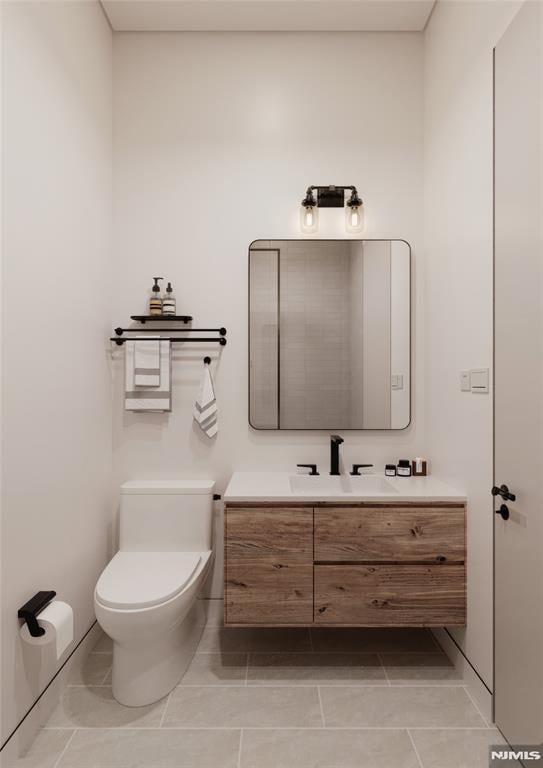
[[144, 579]]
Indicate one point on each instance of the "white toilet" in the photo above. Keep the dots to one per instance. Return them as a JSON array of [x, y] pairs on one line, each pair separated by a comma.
[[146, 599]]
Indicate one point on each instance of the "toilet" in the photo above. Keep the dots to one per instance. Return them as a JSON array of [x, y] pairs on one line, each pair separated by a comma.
[[148, 598]]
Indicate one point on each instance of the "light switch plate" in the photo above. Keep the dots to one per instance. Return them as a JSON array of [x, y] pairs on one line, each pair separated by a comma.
[[397, 381], [465, 381], [479, 380]]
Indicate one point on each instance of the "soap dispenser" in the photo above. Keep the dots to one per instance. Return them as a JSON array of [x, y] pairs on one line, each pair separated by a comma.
[[168, 301], [155, 302]]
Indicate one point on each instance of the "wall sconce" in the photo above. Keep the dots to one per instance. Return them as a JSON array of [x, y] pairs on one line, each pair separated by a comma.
[[331, 197], [309, 213]]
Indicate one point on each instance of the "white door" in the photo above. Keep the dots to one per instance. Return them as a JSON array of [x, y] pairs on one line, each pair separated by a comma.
[[518, 378]]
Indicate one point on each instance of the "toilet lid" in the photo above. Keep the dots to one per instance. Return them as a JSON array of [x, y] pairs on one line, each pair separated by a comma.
[[144, 579]]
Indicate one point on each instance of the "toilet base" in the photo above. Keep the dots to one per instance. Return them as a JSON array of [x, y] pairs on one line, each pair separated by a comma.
[[144, 672]]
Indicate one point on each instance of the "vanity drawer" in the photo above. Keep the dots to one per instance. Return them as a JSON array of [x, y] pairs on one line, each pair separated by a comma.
[[393, 534], [269, 565], [272, 592], [392, 595]]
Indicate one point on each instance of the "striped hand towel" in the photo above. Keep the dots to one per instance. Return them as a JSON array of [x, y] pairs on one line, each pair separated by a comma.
[[147, 362], [148, 398], [205, 407]]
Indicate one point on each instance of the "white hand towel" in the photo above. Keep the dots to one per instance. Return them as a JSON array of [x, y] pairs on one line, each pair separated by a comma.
[[147, 362], [152, 398], [205, 407]]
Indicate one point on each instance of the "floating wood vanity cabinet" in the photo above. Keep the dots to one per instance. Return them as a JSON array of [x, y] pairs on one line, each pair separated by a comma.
[[345, 565]]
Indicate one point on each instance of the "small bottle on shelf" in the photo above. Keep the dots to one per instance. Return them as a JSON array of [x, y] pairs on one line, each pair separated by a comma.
[[168, 301], [155, 302]]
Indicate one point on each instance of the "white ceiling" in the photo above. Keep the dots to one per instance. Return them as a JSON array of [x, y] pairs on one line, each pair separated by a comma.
[[268, 15]]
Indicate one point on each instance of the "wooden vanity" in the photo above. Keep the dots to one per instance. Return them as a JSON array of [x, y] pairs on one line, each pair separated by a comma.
[[400, 563]]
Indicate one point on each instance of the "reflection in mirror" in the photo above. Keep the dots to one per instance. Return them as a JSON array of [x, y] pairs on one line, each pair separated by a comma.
[[329, 334]]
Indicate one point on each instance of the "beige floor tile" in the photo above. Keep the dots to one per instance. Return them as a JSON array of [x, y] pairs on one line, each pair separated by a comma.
[[241, 640], [372, 639], [431, 668], [125, 748], [327, 749], [87, 707], [315, 668], [216, 669], [455, 748], [399, 707], [92, 671], [215, 613], [43, 752], [239, 707], [104, 644]]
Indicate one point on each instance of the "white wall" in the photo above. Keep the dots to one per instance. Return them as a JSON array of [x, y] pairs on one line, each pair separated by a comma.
[[56, 429], [248, 122], [458, 249]]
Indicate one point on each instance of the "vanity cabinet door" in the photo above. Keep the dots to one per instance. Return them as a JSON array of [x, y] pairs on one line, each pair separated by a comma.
[[390, 534], [269, 565], [390, 595]]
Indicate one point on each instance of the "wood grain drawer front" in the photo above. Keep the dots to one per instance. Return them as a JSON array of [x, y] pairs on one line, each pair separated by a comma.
[[269, 566], [394, 534], [394, 595]]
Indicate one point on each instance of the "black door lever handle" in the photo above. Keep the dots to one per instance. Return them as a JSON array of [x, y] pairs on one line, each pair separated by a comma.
[[503, 511], [504, 492]]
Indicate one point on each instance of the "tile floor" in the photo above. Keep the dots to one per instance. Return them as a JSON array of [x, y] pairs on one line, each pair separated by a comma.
[[277, 699]]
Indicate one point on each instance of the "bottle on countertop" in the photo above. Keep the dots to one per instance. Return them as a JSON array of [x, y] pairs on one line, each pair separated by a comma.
[[420, 467], [390, 470], [168, 301], [404, 468], [155, 302]]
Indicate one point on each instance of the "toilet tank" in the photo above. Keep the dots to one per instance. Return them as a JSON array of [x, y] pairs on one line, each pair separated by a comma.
[[166, 515]]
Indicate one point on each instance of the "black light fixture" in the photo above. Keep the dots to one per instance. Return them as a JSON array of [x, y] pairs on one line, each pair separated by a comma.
[[331, 197]]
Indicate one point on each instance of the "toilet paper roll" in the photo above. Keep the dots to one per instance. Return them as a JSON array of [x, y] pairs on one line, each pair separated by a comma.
[[58, 621]]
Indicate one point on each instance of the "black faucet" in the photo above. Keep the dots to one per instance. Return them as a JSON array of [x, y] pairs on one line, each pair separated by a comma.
[[335, 442]]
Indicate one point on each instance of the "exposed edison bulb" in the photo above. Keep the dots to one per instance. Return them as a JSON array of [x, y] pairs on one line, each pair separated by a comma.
[[309, 219], [354, 218]]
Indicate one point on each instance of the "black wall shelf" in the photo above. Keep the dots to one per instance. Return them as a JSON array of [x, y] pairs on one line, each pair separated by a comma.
[[162, 318]]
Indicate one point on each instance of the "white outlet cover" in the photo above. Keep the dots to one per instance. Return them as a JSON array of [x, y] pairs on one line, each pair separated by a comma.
[[479, 380]]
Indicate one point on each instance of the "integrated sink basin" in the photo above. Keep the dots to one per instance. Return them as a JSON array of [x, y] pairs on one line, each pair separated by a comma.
[[327, 486], [372, 485]]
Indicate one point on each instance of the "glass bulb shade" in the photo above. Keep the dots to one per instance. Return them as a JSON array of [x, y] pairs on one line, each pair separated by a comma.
[[309, 219], [354, 218]]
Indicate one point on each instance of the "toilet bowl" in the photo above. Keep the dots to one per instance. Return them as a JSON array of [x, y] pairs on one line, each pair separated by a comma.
[[148, 599]]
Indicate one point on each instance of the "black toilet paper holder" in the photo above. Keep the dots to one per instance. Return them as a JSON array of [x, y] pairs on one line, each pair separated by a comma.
[[30, 610]]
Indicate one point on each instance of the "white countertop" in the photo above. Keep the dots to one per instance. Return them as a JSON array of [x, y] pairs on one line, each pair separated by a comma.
[[291, 487]]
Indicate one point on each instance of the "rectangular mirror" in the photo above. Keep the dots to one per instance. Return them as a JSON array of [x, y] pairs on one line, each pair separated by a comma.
[[329, 334]]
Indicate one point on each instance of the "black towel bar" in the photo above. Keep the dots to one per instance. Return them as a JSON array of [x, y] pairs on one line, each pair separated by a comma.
[[30, 610], [120, 340], [221, 331]]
